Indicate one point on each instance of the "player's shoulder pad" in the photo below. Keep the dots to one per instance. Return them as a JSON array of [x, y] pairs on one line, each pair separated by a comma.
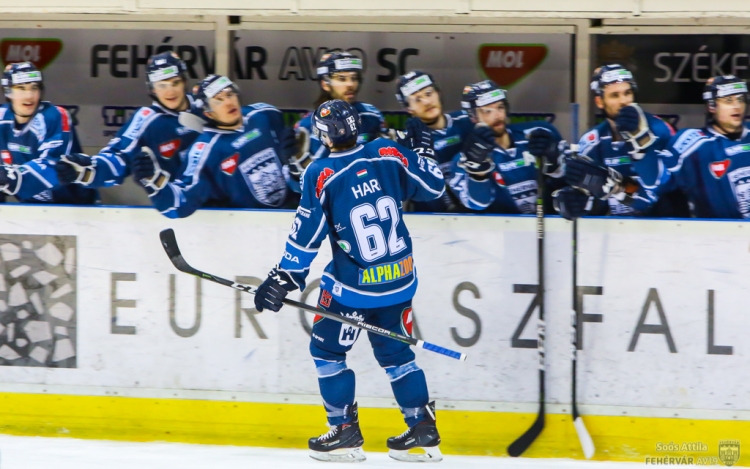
[[524, 128], [659, 126], [588, 140], [364, 107], [459, 115], [305, 121], [260, 107], [3, 110], [135, 127], [686, 139], [317, 175], [384, 148]]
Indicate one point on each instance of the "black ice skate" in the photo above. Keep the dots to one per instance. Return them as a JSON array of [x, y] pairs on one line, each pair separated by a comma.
[[423, 437], [342, 443]]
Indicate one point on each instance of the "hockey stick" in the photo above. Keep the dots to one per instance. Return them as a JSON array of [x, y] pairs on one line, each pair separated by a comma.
[[523, 442], [583, 435], [169, 242]]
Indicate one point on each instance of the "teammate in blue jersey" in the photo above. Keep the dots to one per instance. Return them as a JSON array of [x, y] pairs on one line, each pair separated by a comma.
[[419, 95], [155, 127], [354, 198], [712, 165], [34, 134], [618, 159], [235, 163], [496, 172], [340, 76]]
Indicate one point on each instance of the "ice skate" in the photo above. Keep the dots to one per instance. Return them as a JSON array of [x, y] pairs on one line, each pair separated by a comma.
[[342, 443], [420, 442]]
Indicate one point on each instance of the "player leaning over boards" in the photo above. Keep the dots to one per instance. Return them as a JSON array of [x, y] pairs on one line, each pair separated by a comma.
[[34, 134], [354, 197], [712, 165], [419, 94], [340, 77], [496, 172], [235, 163], [620, 164], [155, 127]]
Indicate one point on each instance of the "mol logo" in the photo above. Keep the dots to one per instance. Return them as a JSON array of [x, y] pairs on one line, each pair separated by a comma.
[[507, 64], [40, 51]]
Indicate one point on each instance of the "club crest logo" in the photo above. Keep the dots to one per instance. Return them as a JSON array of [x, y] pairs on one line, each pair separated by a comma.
[[729, 451], [325, 112]]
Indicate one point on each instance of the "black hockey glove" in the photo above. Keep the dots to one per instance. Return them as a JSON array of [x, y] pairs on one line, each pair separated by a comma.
[[600, 181], [273, 290], [417, 137], [632, 124], [10, 179], [287, 145], [543, 144], [627, 119], [572, 203], [147, 173], [476, 157], [76, 168]]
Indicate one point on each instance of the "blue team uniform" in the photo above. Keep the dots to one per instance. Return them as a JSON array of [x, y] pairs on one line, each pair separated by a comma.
[[155, 127], [599, 145], [512, 187], [712, 170], [230, 168], [354, 198], [34, 148]]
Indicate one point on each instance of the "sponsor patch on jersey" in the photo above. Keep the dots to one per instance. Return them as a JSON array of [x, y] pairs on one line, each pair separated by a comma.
[[322, 178], [19, 148], [407, 321], [719, 168], [64, 119], [168, 149], [392, 151], [617, 161], [589, 139], [511, 165], [387, 272], [687, 139], [740, 182], [194, 157], [6, 156], [345, 246], [499, 178], [325, 299], [245, 138], [446, 142], [303, 212], [264, 177], [229, 165], [134, 129], [737, 149]]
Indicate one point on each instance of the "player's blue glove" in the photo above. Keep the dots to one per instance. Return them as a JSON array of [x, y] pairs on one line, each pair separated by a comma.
[[632, 124], [543, 144], [572, 203], [600, 181], [417, 137], [627, 119], [10, 179], [273, 290], [476, 157], [147, 173], [76, 168]]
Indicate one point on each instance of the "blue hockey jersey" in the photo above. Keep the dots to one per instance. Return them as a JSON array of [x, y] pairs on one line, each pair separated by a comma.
[[512, 187], [155, 127], [599, 145], [355, 198], [712, 170], [35, 148], [373, 126], [230, 168]]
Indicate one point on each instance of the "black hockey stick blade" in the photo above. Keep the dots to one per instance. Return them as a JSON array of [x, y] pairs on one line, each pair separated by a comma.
[[523, 442], [169, 243]]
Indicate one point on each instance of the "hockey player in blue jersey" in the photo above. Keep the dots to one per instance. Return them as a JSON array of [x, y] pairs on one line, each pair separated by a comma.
[[496, 172], [419, 94], [340, 77], [354, 198], [235, 163], [155, 127], [618, 159], [712, 165], [34, 134]]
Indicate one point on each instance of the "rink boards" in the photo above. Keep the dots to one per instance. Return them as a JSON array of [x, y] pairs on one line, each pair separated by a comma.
[[102, 338]]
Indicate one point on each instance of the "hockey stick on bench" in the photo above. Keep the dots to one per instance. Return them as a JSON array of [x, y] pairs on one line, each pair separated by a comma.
[[169, 242]]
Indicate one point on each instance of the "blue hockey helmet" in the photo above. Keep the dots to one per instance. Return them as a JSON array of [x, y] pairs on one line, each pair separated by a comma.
[[210, 87], [163, 67], [411, 83], [334, 62], [20, 73], [609, 74], [482, 94], [336, 121], [721, 86]]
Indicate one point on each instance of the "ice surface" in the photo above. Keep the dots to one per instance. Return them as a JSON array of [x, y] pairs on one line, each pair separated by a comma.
[[66, 453]]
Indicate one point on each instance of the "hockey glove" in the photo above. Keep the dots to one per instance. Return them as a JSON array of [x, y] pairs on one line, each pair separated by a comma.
[[417, 137], [572, 203], [271, 293], [147, 173], [301, 157], [600, 181], [476, 157], [632, 125], [10, 179], [76, 168], [543, 144]]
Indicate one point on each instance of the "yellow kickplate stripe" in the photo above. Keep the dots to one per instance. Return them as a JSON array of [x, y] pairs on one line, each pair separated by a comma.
[[290, 425]]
